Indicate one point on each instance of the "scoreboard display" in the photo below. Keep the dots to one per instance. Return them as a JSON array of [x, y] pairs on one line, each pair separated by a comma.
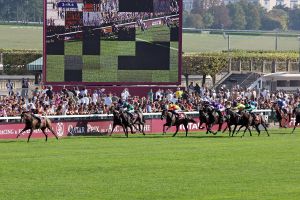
[[101, 42]]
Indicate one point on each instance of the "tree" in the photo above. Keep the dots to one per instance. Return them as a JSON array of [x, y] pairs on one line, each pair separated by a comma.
[[194, 21], [281, 16], [208, 20], [237, 16], [294, 22], [204, 64], [221, 17], [253, 20]]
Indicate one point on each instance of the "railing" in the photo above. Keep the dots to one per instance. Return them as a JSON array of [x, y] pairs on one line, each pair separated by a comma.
[[109, 116]]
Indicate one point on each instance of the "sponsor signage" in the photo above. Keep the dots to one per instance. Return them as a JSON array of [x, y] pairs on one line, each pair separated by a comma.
[[87, 128], [67, 5]]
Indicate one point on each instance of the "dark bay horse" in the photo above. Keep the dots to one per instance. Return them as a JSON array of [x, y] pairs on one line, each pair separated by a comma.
[[139, 119], [296, 113], [126, 120], [209, 117], [259, 120], [172, 120], [31, 123], [281, 116], [233, 118], [255, 121]]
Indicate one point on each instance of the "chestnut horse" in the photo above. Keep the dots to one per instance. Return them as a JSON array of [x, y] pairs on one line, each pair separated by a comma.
[[32, 123]]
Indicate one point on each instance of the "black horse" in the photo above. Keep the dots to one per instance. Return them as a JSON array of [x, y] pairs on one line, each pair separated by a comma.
[[281, 116], [127, 120], [32, 123], [296, 113], [139, 120], [255, 121], [173, 120], [232, 118], [209, 117]]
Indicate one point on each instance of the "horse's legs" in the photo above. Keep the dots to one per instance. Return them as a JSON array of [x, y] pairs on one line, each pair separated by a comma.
[[51, 130], [225, 128], [29, 136], [265, 127], [177, 128], [239, 129], [296, 123], [126, 131], [143, 127], [113, 128], [220, 126], [257, 129], [233, 130], [186, 129], [24, 129], [247, 127], [200, 127], [131, 128], [43, 130]]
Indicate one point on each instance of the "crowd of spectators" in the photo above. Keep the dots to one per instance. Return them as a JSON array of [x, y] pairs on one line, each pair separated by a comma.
[[80, 101]]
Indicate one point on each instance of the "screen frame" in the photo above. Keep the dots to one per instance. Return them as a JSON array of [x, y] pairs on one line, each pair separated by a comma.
[[178, 82]]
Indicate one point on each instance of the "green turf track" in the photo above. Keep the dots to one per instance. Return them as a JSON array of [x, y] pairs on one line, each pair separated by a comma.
[[29, 37], [153, 167]]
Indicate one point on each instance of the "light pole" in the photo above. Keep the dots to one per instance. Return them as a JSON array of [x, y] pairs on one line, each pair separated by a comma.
[[276, 39]]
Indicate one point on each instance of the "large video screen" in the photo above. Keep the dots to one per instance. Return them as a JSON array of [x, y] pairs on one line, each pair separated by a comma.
[[101, 42]]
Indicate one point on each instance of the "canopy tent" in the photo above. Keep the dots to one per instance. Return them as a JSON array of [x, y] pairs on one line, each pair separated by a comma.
[[36, 65]]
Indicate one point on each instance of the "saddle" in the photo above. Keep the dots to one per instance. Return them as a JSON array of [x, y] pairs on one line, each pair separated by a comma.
[[181, 116]]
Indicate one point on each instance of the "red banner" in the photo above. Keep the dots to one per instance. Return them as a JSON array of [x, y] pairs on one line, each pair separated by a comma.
[[84, 127]]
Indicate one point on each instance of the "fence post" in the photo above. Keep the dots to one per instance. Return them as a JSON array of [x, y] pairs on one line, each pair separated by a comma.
[[274, 66], [288, 66], [251, 65], [263, 66], [240, 65]]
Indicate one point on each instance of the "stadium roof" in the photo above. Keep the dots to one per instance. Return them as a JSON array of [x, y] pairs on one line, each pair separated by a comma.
[[36, 65]]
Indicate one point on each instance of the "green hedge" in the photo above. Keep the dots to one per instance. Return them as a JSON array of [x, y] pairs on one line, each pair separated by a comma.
[[15, 61]]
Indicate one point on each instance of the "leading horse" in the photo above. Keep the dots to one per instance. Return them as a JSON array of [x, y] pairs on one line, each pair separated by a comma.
[[32, 123], [172, 120]]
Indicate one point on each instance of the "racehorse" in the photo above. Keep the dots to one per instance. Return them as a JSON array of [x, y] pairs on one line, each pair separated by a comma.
[[259, 120], [117, 121], [296, 112], [139, 119], [172, 120], [31, 123], [126, 120], [209, 118], [255, 121], [281, 116], [233, 118]]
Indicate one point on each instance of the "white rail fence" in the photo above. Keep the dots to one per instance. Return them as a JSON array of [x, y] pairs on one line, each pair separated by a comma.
[[265, 113]]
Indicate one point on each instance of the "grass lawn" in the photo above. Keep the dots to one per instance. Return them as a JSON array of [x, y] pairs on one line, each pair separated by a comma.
[[21, 37], [193, 42], [153, 167], [30, 37]]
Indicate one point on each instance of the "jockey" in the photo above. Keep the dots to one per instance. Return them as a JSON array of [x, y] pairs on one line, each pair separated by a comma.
[[128, 108], [249, 107], [219, 108], [282, 105], [174, 108]]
